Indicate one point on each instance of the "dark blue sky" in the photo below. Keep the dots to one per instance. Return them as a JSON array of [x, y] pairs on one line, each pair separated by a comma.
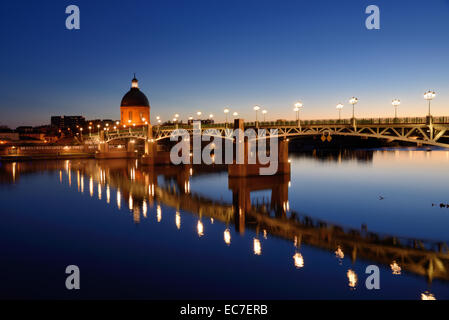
[[206, 55]]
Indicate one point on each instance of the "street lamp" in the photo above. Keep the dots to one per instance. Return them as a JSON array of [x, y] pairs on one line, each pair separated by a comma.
[[256, 108], [298, 106], [339, 107], [199, 114], [429, 95], [226, 111], [396, 103], [353, 101], [264, 112], [90, 131], [235, 114], [98, 127]]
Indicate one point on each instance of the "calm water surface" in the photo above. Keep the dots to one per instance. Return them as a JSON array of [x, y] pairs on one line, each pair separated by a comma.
[[193, 233]]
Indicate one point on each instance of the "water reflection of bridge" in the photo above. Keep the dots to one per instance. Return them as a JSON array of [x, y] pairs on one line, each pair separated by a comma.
[[142, 188]]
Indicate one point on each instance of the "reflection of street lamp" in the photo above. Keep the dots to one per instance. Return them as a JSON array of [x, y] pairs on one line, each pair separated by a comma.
[[396, 103], [257, 247], [227, 237], [339, 107], [429, 95], [352, 278], [298, 260], [264, 112], [200, 228]]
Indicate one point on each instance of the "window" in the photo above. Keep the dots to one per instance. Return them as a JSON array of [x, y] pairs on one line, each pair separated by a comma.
[[130, 116]]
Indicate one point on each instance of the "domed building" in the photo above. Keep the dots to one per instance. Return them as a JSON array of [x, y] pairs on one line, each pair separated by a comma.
[[135, 108]]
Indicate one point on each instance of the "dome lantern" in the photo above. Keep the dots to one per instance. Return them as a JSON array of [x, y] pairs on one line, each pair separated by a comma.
[[135, 82]]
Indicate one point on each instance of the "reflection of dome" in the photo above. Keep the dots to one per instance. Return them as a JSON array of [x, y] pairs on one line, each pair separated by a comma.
[[134, 97]]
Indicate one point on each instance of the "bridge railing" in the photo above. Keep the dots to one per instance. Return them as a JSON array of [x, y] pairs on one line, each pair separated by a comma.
[[279, 123]]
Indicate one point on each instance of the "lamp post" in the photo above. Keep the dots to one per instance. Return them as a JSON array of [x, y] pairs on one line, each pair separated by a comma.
[[226, 111], [256, 108], [90, 131], [298, 106], [353, 101], [429, 95], [235, 114], [199, 114], [264, 112], [339, 107], [98, 127], [396, 103]]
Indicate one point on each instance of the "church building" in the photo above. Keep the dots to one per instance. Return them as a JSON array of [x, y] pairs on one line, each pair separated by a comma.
[[135, 108]]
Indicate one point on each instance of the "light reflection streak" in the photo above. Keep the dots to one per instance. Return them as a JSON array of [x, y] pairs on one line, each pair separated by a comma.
[[352, 278], [144, 208], [298, 260], [91, 186], [200, 228], [427, 296], [178, 220], [227, 236], [130, 202], [119, 199], [339, 253], [158, 213], [395, 268], [257, 247]]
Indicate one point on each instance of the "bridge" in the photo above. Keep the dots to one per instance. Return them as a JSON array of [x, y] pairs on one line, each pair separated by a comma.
[[432, 131]]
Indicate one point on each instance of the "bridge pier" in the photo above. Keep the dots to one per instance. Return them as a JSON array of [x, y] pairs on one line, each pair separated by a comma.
[[104, 151], [152, 155], [246, 169]]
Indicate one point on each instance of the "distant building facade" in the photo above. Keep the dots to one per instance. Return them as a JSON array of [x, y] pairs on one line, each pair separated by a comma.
[[65, 122]]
